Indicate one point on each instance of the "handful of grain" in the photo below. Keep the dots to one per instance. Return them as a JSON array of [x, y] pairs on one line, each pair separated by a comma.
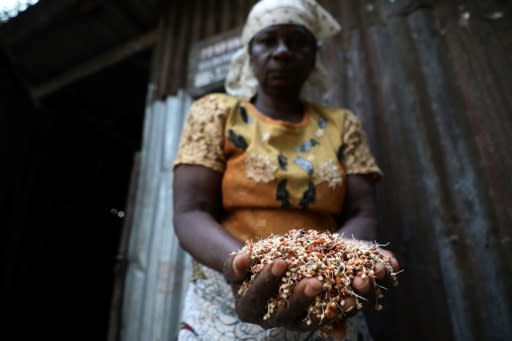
[[328, 257]]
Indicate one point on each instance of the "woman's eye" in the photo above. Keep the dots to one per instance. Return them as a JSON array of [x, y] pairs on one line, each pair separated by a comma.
[[299, 42], [265, 40], [269, 41]]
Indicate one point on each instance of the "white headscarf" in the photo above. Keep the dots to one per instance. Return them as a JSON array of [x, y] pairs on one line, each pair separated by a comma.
[[240, 80]]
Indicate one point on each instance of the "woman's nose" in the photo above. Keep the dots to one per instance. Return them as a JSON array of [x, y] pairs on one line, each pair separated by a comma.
[[282, 49]]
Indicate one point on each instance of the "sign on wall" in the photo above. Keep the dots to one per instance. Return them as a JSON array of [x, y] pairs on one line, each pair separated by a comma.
[[210, 60]]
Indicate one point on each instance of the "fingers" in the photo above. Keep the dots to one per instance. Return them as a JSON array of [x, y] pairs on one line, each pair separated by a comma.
[[310, 287], [299, 313], [349, 306], [240, 266], [236, 268], [369, 287], [394, 264], [379, 270], [361, 285], [252, 306], [279, 267], [383, 273], [295, 311], [388, 255]]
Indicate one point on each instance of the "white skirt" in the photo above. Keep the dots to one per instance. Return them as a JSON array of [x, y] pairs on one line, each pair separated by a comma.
[[209, 315]]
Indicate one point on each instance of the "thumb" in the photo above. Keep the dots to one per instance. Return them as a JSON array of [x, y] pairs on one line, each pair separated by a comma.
[[236, 267]]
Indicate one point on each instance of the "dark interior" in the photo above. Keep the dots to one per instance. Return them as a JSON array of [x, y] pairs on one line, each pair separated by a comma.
[[73, 84], [69, 158]]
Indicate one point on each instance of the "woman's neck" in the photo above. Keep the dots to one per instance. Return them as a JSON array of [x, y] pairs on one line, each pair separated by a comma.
[[279, 108]]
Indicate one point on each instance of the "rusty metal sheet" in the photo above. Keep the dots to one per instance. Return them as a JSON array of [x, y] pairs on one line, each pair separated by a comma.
[[432, 84]]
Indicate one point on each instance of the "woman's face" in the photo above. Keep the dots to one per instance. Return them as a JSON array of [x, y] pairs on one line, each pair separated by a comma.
[[282, 57]]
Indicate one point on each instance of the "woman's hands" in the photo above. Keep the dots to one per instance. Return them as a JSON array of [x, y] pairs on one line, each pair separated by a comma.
[[252, 306], [383, 278]]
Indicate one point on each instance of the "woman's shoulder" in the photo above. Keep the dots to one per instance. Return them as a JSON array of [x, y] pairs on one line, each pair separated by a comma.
[[212, 107], [217, 99]]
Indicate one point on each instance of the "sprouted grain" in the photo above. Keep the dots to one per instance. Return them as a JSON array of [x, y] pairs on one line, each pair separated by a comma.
[[329, 257]]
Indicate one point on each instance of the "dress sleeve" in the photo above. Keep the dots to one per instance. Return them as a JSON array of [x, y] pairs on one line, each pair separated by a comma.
[[202, 138], [357, 156]]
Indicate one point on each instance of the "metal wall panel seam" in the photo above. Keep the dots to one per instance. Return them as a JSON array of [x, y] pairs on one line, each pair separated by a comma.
[[162, 285], [171, 266], [175, 270], [143, 222], [152, 222], [136, 268], [163, 288]]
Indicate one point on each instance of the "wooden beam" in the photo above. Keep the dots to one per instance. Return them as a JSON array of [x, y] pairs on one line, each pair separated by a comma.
[[98, 63]]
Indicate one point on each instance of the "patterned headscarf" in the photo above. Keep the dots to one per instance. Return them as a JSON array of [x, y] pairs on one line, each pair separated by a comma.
[[240, 80]]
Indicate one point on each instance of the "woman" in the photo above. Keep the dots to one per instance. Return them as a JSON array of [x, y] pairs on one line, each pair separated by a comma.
[[262, 161]]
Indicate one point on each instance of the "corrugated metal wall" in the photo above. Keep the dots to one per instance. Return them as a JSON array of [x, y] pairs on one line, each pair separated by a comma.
[[158, 268], [432, 84]]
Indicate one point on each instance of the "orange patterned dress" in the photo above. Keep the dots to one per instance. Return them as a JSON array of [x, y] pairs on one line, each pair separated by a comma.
[[276, 175]]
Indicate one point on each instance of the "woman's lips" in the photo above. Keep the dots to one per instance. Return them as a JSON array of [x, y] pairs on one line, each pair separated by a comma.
[[280, 73]]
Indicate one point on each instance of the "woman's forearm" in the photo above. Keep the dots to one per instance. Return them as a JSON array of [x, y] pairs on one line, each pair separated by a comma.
[[359, 227], [196, 204], [204, 239], [360, 213]]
